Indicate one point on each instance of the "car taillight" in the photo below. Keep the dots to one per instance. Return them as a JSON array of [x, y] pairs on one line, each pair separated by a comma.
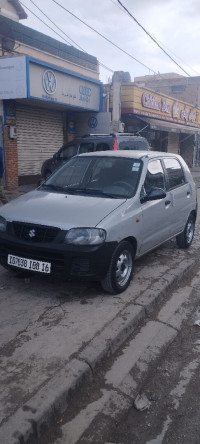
[[115, 145]]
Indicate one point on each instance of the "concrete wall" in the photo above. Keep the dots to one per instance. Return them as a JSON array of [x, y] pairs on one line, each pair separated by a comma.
[[7, 10]]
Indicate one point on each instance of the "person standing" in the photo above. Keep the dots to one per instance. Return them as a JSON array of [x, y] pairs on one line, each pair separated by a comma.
[[3, 197]]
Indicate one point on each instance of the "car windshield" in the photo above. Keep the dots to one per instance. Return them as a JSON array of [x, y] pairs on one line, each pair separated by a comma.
[[97, 176]]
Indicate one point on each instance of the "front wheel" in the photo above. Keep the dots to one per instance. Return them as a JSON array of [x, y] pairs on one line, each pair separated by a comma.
[[120, 269], [185, 238]]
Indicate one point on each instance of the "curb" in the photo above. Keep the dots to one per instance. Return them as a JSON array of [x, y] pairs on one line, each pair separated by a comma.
[[54, 397]]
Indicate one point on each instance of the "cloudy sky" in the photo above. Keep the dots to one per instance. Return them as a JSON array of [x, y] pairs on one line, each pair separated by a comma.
[[175, 24]]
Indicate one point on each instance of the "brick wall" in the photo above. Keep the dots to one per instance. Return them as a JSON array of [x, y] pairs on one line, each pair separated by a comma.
[[11, 160]]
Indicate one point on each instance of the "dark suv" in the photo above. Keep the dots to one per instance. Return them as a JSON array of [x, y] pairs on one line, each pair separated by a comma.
[[91, 143]]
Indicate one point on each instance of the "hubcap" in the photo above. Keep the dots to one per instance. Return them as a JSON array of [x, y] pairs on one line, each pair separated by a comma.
[[190, 232], [124, 267]]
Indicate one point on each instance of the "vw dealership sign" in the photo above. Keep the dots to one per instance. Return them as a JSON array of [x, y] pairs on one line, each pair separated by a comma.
[[49, 82], [24, 77]]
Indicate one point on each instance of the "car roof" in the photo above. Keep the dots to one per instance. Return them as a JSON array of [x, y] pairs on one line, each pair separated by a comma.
[[111, 136], [136, 154]]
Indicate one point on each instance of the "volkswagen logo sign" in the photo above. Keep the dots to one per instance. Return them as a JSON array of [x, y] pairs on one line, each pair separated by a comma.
[[49, 82], [92, 122], [32, 233]]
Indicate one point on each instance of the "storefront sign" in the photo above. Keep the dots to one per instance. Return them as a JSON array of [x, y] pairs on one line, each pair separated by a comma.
[[9, 112], [49, 82], [167, 107], [24, 77], [13, 77], [55, 86]]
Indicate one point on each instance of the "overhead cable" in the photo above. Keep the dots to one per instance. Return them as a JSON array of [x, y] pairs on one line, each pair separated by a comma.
[[26, 7], [152, 38], [105, 38], [101, 64]]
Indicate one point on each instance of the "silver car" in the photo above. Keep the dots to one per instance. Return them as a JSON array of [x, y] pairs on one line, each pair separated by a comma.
[[98, 213]]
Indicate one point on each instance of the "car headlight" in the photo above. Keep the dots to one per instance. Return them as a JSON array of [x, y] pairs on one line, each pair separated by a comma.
[[85, 236], [3, 224]]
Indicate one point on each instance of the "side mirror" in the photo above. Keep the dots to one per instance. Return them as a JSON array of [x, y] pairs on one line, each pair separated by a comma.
[[56, 156], [154, 194]]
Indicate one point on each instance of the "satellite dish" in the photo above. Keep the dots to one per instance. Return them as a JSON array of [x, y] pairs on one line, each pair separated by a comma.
[[7, 41]]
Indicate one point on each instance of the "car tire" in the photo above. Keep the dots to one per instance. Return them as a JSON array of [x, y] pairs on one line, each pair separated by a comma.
[[120, 269], [185, 238]]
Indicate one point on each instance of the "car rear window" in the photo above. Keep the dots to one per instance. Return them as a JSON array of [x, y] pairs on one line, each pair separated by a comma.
[[132, 145], [102, 146]]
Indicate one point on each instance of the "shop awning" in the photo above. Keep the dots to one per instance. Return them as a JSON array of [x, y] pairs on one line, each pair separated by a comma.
[[162, 125]]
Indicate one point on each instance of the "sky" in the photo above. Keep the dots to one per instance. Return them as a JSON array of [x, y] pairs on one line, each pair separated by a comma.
[[174, 24]]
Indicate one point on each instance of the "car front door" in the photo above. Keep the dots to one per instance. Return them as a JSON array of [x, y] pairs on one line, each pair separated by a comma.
[[156, 214]]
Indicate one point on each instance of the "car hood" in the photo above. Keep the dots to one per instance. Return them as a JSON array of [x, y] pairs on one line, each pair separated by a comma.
[[59, 210]]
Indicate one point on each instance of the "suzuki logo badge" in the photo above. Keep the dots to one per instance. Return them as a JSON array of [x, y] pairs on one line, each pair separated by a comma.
[[32, 233]]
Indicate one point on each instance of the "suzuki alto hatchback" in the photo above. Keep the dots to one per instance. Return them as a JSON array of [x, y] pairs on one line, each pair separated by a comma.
[[98, 213]]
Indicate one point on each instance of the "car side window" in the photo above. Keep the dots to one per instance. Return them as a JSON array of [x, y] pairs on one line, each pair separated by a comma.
[[68, 151], [86, 147], [154, 176], [174, 173]]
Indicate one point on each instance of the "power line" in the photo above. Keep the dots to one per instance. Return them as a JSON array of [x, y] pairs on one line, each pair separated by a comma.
[[161, 43], [26, 7], [101, 64], [56, 25], [152, 38], [105, 38]]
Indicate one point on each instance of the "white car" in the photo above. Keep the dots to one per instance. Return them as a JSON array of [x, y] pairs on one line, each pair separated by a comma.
[[97, 213]]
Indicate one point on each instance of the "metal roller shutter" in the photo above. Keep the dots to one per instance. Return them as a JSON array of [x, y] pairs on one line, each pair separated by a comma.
[[173, 143], [39, 136]]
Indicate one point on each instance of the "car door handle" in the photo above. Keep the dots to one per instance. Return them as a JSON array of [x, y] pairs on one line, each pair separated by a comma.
[[188, 194], [167, 203]]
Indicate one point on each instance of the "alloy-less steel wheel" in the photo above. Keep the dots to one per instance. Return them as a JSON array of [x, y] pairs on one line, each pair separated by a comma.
[[120, 270], [185, 238]]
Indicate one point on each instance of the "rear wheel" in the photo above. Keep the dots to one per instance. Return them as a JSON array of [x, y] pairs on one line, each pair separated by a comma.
[[120, 269], [185, 238]]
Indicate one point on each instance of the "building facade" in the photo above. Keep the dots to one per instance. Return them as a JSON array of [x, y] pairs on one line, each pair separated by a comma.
[[48, 92], [169, 124]]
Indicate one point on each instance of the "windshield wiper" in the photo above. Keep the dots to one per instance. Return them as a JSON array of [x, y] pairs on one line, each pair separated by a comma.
[[52, 187], [91, 192]]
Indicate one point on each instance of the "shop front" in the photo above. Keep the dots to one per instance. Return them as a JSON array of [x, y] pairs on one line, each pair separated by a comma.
[[41, 107], [168, 124]]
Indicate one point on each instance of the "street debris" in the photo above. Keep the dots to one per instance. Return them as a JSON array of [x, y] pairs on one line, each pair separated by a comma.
[[197, 322], [141, 402]]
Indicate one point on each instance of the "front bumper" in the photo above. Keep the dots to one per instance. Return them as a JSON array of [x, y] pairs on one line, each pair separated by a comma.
[[67, 261]]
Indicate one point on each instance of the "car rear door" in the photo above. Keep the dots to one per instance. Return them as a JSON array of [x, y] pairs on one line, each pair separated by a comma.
[[157, 214], [180, 193]]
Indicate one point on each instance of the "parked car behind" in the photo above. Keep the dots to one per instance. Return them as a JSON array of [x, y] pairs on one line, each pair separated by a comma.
[[92, 143], [97, 213]]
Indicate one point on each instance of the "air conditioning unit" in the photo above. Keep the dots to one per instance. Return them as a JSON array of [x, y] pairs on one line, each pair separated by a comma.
[[13, 132]]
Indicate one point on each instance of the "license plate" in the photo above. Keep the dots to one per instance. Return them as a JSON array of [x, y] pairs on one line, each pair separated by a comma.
[[29, 264]]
